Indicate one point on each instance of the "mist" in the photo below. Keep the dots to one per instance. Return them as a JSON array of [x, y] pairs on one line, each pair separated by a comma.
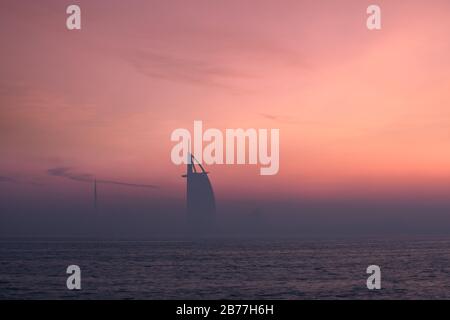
[[145, 215]]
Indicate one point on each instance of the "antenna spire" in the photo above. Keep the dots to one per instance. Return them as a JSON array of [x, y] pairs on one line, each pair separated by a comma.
[[95, 193]]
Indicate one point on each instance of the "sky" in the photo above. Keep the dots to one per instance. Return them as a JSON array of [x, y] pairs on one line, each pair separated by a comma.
[[363, 115]]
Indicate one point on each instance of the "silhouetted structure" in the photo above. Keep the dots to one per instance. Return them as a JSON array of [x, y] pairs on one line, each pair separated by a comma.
[[95, 193], [201, 204]]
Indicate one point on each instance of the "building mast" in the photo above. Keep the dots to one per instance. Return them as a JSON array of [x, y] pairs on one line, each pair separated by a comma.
[[95, 193]]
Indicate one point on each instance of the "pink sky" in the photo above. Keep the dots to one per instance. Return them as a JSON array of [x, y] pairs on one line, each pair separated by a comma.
[[360, 112]]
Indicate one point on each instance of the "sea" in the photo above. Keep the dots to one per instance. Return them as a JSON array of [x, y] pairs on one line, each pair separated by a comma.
[[291, 268]]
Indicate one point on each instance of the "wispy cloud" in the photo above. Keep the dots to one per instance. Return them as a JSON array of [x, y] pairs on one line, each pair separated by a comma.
[[66, 172], [126, 184], [18, 180], [7, 179], [174, 68], [286, 119]]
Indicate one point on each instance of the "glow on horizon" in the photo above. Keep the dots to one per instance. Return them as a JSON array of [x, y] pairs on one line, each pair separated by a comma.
[[357, 110]]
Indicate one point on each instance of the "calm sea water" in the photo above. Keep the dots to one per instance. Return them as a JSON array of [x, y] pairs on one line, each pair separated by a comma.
[[226, 269]]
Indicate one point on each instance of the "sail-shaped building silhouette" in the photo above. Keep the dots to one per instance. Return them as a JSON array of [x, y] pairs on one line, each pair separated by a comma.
[[201, 203]]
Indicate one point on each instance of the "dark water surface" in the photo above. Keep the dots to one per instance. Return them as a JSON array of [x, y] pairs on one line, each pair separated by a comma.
[[226, 269]]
